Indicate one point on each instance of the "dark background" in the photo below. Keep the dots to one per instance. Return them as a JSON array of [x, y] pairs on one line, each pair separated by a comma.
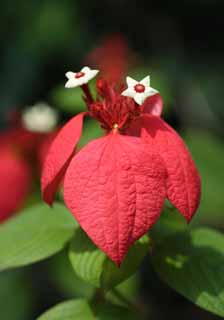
[[180, 43]]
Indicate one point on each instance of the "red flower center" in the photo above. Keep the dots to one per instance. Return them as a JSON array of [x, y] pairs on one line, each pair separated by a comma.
[[139, 88], [113, 111], [79, 75]]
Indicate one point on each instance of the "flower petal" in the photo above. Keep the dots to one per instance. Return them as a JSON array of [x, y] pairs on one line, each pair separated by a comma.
[[153, 105], [149, 91], [59, 156], [129, 92], [89, 76], [139, 98], [183, 183], [70, 74], [72, 83], [146, 81], [115, 187], [85, 69], [131, 82]]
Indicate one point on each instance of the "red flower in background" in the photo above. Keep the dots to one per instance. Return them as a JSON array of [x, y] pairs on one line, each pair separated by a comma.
[[22, 153], [116, 185], [113, 57], [15, 174]]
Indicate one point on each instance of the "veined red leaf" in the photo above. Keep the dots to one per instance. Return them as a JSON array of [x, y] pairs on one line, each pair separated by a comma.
[[183, 182], [115, 187]]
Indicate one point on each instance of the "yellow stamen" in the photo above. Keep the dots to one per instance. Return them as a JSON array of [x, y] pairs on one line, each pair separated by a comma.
[[115, 126]]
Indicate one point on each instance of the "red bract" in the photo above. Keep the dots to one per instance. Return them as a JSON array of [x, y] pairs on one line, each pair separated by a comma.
[[116, 185]]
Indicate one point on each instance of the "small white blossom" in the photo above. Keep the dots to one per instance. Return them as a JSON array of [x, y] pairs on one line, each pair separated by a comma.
[[76, 79], [40, 118], [139, 91]]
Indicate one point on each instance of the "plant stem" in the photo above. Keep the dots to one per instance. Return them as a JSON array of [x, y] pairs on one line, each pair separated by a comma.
[[88, 95]]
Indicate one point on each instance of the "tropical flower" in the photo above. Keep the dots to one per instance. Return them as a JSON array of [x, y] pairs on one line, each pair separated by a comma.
[[116, 185], [40, 118], [139, 91], [23, 147], [76, 79]]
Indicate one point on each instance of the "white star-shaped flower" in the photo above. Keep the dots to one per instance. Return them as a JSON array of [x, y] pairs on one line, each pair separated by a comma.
[[139, 90], [76, 79], [40, 118]]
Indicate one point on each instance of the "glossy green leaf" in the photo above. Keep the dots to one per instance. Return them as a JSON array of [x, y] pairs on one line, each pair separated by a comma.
[[93, 266], [34, 234], [65, 280], [109, 311], [69, 310], [128, 288], [170, 221], [193, 264], [80, 309]]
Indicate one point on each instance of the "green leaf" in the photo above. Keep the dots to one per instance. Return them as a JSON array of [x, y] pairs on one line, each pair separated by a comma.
[[109, 311], [65, 280], [69, 310], [80, 309], [34, 234], [193, 264], [128, 288], [93, 266], [170, 221]]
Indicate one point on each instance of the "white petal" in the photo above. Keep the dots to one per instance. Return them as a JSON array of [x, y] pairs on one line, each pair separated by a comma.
[[83, 80], [146, 81], [70, 74], [150, 91], [85, 69], [129, 92], [139, 98], [40, 118], [72, 83], [93, 73], [89, 75], [131, 82]]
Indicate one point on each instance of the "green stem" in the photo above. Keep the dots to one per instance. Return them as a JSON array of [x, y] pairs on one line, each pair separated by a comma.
[[87, 92]]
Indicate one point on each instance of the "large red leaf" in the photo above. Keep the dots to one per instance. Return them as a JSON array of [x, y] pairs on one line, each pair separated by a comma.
[[59, 156], [16, 178], [115, 187], [183, 183]]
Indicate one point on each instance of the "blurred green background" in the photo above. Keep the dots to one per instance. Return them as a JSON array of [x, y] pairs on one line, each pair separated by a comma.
[[179, 43]]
